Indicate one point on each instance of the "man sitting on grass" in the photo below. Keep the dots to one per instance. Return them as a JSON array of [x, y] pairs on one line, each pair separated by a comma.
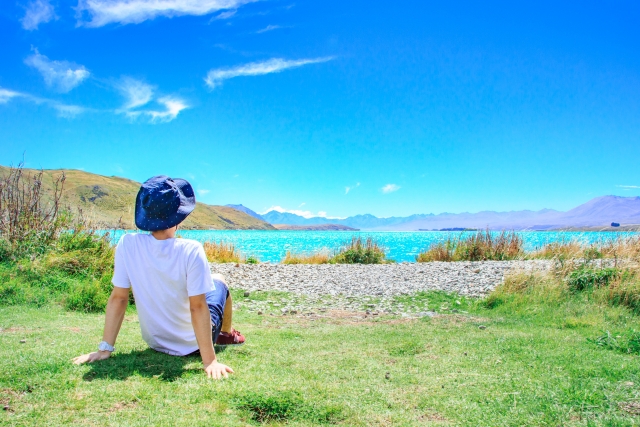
[[182, 309]]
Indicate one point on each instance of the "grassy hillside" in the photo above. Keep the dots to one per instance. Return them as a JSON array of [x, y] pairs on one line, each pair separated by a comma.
[[107, 199]]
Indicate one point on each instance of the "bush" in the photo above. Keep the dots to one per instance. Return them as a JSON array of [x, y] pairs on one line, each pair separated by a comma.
[[359, 251], [585, 278], [481, 246], [88, 296]]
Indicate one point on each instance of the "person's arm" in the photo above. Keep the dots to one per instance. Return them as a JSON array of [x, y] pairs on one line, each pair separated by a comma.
[[116, 307], [201, 321]]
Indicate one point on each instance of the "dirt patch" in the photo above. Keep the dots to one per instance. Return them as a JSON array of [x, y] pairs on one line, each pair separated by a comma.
[[632, 408], [432, 417], [7, 394], [73, 329], [15, 329], [121, 406]]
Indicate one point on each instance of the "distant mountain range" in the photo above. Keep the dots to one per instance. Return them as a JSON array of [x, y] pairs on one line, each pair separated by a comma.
[[598, 212]]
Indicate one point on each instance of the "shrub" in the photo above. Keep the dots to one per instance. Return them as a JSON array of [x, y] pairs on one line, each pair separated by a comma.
[[359, 251], [314, 258], [586, 277], [481, 246], [222, 252], [88, 296], [30, 217], [252, 260]]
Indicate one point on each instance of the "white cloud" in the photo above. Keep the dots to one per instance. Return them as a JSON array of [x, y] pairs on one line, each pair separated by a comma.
[[269, 28], [68, 111], [347, 189], [203, 192], [215, 77], [138, 94], [38, 12], [59, 75], [628, 186], [7, 95], [64, 110], [390, 188], [103, 12], [225, 15], [172, 107], [301, 204], [305, 214]]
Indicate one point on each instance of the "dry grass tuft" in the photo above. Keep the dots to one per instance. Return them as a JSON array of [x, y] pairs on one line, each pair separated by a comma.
[[222, 252], [313, 258], [481, 246]]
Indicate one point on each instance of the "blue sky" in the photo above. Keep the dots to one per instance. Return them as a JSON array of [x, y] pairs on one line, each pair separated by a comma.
[[332, 107]]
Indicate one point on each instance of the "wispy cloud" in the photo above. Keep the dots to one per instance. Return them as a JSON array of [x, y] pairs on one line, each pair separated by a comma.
[[203, 192], [347, 189], [62, 76], [171, 108], [38, 12], [215, 77], [304, 214], [225, 15], [7, 95], [390, 188], [138, 94], [68, 111], [64, 110], [103, 12], [628, 187], [269, 28]]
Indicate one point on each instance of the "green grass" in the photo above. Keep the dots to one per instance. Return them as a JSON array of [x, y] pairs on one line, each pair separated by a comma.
[[539, 361]]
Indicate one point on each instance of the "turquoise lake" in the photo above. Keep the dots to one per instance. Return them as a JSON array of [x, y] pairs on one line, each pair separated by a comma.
[[401, 245]]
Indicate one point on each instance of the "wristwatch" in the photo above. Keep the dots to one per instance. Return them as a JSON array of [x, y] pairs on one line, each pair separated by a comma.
[[105, 346]]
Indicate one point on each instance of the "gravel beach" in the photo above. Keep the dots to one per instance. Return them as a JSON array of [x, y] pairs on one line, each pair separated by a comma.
[[472, 279]]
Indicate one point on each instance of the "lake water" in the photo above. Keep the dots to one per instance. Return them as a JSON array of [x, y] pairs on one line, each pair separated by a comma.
[[401, 245]]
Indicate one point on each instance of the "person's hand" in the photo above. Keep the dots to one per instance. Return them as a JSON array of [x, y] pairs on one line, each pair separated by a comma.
[[92, 357], [217, 370]]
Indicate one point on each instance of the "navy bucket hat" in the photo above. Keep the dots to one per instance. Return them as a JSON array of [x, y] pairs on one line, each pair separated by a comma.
[[163, 202]]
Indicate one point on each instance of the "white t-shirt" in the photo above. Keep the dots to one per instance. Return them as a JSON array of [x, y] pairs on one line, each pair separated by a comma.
[[164, 274]]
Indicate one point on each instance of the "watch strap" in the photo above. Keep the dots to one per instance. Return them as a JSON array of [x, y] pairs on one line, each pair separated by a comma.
[[105, 346]]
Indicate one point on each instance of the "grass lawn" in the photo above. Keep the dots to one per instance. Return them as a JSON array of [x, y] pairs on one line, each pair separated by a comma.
[[531, 365]]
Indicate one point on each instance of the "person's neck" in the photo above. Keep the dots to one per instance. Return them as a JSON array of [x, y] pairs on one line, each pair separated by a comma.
[[169, 233]]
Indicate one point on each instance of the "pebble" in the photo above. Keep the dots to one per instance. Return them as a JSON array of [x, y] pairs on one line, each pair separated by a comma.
[[23, 341], [471, 279], [482, 327]]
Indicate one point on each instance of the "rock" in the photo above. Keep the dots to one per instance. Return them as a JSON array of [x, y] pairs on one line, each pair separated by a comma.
[[387, 375], [427, 314], [259, 313], [482, 327], [7, 408], [247, 294], [23, 341]]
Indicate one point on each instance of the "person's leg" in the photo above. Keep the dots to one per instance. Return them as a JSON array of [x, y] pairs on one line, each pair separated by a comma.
[[226, 335], [227, 317], [216, 300]]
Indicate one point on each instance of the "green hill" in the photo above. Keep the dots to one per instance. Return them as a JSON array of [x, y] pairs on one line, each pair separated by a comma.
[[106, 200]]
